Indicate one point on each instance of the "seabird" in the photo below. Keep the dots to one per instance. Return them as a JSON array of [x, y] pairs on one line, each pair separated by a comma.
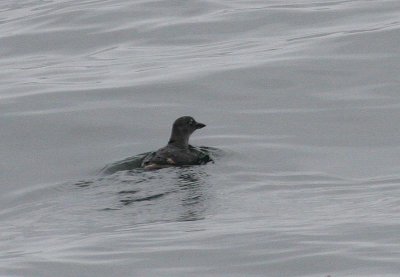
[[177, 152]]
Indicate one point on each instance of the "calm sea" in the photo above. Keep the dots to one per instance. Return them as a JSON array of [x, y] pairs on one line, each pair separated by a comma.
[[302, 97]]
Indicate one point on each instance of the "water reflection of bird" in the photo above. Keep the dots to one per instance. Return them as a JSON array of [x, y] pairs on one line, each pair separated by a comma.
[[182, 196]]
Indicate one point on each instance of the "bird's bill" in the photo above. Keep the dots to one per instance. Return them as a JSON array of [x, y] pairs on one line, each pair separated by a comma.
[[200, 125]]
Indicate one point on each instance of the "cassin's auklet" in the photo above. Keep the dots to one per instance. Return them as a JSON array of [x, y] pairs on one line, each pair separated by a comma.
[[177, 152]]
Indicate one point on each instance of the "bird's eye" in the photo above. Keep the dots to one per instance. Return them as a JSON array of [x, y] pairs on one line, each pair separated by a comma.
[[191, 122]]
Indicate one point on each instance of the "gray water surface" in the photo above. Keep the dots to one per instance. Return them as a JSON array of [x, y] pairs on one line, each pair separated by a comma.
[[302, 98]]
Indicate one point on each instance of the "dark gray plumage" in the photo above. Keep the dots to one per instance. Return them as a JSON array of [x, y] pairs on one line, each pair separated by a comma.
[[177, 152]]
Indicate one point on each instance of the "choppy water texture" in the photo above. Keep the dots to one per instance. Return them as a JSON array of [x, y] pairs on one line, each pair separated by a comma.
[[302, 97]]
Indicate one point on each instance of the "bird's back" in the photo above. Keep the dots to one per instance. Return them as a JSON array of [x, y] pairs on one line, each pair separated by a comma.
[[171, 156]]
